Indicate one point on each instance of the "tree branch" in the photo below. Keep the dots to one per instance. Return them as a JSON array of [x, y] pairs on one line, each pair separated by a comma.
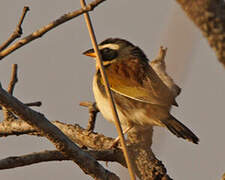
[[74, 132], [209, 16], [17, 33], [145, 162], [45, 156], [147, 166], [87, 163], [36, 103], [40, 32], [159, 66], [14, 79], [7, 114], [93, 110]]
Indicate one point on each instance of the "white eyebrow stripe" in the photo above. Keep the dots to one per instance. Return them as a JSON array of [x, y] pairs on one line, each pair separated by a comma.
[[111, 46]]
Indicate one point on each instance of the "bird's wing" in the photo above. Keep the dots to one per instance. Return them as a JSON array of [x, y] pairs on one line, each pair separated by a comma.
[[137, 80]]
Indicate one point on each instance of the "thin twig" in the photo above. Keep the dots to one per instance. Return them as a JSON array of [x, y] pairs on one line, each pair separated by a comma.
[[14, 79], [108, 92], [40, 32], [17, 33], [93, 110], [7, 114], [57, 137], [46, 156], [37, 104]]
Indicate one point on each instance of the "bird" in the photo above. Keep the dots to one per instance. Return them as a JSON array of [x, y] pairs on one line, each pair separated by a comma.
[[141, 98]]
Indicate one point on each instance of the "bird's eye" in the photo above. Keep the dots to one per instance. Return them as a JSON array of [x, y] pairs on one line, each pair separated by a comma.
[[108, 54], [106, 50]]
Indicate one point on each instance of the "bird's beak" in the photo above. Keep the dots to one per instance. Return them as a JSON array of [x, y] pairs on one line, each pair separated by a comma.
[[90, 53]]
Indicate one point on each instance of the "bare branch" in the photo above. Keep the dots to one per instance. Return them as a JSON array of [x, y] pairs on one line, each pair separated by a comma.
[[208, 15], [159, 66], [36, 103], [17, 33], [144, 159], [74, 132], [25, 160], [13, 80], [147, 166], [7, 114], [87, 163], [93, 110], [46, 156], [40, 32]]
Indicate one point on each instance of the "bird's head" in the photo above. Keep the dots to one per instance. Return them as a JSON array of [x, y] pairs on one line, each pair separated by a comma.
[[115, 49]]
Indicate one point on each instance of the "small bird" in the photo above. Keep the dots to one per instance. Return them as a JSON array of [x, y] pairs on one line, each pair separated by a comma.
[[141, 97]]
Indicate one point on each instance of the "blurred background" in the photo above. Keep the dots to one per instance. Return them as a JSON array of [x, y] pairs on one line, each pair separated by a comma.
[[53, 70]]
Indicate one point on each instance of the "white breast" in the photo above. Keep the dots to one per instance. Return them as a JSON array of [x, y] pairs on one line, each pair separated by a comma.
[[103, 105]]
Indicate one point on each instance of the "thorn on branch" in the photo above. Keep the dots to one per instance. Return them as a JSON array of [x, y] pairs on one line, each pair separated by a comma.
[[93, 110]]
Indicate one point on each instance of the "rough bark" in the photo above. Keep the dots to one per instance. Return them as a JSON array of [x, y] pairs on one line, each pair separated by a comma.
[[209, 16]]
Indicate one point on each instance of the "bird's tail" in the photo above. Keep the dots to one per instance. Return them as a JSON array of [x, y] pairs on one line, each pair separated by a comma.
[[180, 130]]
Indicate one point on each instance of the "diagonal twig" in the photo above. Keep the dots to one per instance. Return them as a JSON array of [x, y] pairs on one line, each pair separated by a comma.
[[108, 92], [40, 32], [17, 33]]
